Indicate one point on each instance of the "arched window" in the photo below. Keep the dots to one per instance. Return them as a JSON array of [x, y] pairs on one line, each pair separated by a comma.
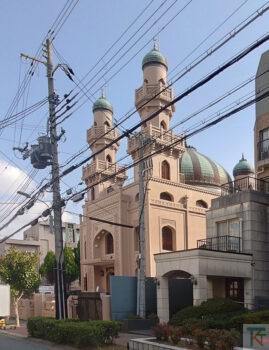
[[137, 197], [85, 250], [95, 124], [163, 125], [165, 170], [108, 159], [167, 238], [85, 282], [107, 124], [146, 81], [92, 194], [166, 196], [109, 244], [201, 204], [136, 238]]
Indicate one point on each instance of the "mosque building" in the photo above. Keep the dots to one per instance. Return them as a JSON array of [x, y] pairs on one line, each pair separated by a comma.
[[177, 184]]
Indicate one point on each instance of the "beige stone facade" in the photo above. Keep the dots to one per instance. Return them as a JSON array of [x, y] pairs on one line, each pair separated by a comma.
[[176, 196], [232, 261], [261, 129]]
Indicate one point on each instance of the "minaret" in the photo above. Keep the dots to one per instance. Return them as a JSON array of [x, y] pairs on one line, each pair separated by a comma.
[[103, 165], [261, 129], [149, 98], [243, 174], [154, 66]]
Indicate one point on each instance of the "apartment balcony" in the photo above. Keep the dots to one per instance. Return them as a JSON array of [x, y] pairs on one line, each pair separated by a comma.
[[149, 91], [107, 169], [221, 243], [245, 183]]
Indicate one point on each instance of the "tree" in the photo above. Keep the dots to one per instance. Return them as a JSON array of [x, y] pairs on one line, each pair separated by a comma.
[[19, 269], [71, 266], [47, 267], [77, 258]]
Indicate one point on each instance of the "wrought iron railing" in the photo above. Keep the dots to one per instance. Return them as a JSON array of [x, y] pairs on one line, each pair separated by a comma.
[[221, 243], [245, 183]]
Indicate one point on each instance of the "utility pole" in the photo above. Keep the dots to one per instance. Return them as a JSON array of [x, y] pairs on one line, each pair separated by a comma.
[[141, 278], [60, 300]]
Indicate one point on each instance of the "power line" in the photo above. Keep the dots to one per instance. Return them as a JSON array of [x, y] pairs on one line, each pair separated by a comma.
[[199, 84]]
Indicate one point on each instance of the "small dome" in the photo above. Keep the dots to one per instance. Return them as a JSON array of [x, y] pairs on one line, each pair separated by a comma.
[[200, 170], [102, 103], [243, 168], [154, 56]]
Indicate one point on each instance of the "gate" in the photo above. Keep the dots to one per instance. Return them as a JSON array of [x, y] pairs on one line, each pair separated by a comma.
[[124, 297], [89, 306], [180, 294]]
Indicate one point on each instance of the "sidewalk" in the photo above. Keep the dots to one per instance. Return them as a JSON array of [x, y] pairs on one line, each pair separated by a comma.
[[22, 332]]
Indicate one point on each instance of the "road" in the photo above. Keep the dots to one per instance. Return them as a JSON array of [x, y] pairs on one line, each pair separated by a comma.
[[11, 342]]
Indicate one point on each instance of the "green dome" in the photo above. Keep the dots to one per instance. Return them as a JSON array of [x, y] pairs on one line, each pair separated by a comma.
[[154, 56], [200, 170], [243, 168], [102, 103]]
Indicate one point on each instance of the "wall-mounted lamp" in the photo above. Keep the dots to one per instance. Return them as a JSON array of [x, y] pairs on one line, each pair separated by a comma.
[[157, 282], [193, 280]]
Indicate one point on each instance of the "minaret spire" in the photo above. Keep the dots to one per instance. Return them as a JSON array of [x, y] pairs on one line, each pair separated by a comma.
[[156, 44]]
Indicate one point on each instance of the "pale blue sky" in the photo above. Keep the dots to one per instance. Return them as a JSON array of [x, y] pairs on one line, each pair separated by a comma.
[[88, 32]]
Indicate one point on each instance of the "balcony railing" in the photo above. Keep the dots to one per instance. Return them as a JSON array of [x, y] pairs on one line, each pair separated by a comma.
[[221, 243], [245, 183]]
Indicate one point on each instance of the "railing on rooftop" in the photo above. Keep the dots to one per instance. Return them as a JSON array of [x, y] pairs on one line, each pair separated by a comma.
[[221, 243], [245, 183]]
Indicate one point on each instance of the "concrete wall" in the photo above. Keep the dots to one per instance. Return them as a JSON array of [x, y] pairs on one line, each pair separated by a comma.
[[251, 208]]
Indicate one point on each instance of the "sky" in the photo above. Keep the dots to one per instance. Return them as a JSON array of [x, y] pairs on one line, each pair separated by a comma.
[[104, 43]]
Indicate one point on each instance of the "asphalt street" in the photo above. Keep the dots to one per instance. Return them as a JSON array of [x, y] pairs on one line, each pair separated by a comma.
[[11, 342]]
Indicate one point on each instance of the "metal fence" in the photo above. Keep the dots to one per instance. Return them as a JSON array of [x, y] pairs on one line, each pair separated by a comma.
[[245, 183], [221, 243]]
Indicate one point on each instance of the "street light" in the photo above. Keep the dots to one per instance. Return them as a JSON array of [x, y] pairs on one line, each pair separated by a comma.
[[27, 195], [45, 213]]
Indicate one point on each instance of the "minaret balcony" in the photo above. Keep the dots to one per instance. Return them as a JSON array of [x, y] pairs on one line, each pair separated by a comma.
[[148, 91], [158, 136], [104, 168], [102, 133]]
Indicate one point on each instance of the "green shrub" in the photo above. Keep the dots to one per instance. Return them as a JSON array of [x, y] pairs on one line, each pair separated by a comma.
[[250, 317], [216, 312], [73, 332], [189, 326]]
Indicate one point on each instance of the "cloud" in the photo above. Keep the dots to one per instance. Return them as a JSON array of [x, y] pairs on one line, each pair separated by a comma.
[[10, 178]]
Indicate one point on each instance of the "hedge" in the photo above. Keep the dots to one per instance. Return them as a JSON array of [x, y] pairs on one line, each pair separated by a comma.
[[74, 332], [251, 317], [215, 310]]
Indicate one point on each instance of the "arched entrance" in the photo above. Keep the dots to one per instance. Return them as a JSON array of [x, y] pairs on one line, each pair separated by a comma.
[[180, 290]]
